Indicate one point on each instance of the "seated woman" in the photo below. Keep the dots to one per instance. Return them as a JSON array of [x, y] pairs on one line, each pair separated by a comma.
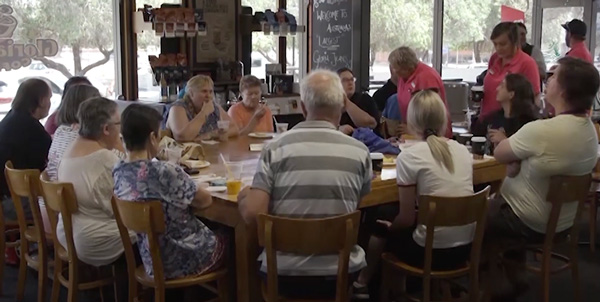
[[52, 122], [88, 164], [360, 109], [249, 114], [515, 95], [68, 125], [188, 246], [196, 115], [23, 140], [435, 166], [566, 144]]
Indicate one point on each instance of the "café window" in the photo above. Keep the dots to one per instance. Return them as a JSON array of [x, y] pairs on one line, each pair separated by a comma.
[[82, 36], [554, 45], [399, 23], [468, 24], [264, 47]]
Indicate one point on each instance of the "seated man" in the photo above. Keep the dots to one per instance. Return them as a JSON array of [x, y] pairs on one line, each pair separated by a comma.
[[249, 114], [299, 176], [359, 108]]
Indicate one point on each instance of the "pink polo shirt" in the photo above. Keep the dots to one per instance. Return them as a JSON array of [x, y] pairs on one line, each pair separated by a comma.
[[424, 77], [521, 63], [579, 50]]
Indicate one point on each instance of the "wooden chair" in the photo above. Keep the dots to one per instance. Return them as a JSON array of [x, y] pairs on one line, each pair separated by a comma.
[[148, 218], [563, 190], [593, 199], [60, 199], [13, 231], [25, 184], [442, 212], [336, 235]]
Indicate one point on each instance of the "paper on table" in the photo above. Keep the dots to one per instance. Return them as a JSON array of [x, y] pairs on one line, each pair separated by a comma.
[[256, 147]]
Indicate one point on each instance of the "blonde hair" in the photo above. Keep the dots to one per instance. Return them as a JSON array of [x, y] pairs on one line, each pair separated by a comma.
[[404, 58], [427, 117], [196, 83]]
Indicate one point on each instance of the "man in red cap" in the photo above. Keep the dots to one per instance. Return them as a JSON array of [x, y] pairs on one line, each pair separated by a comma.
[[576, 31]]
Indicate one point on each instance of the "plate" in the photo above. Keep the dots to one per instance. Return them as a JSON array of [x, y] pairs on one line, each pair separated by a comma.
[[256, 147], [261, 135], [216, 189], [197, 164]]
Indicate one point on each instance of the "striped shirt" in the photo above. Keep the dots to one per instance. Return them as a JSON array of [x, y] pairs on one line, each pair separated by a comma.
[[314, 171]]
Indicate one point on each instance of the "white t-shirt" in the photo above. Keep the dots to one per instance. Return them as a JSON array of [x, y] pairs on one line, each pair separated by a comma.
[[95, 230], [416, 166], [563, 145]]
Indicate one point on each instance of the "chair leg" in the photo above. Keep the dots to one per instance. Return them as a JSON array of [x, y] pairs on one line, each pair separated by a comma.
[[72, 296], [2, 249], [575, 275], [593, 217], [159, 294], [223, 288], [545, 271], [42, 277], [22, 271], [56, 283], [385, 283]]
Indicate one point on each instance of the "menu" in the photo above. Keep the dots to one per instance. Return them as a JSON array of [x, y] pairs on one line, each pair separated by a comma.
[[331, 39]]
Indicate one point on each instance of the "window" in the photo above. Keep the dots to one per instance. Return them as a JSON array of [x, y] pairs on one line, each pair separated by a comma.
[[148, 44], [553, 34], [396, 23], [468, 25], [84, 34], [264, 47], [294, 42]]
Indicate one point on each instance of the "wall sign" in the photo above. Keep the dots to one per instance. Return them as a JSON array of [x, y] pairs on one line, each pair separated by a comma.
[[16, 55], [220, 39]]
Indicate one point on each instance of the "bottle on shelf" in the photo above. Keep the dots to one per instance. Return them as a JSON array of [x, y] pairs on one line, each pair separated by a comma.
[[164, 90]]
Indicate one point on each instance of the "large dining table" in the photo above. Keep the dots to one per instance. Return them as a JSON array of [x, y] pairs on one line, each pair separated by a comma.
[[225, 207]]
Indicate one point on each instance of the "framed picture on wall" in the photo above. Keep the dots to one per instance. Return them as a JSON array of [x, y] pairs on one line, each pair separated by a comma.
[[220, 40]]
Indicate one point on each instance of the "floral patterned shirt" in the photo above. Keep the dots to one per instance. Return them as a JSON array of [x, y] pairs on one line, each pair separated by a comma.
[[187, 247]]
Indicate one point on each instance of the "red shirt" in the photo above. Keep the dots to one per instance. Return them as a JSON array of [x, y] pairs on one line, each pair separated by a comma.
[[579, 50], [424, 77], [521, 63]]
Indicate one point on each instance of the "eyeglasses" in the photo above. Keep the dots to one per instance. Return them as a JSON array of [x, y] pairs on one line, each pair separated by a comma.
[[348, 80]]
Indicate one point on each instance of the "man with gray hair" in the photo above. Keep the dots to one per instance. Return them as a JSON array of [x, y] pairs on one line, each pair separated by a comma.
[[311, 171]]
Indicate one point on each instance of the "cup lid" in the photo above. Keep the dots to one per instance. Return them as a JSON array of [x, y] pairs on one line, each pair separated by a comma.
[[377, 155], [466, 134], [479, 139]]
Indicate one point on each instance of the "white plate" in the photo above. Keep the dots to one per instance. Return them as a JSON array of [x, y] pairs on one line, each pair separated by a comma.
[[261, 135], [197, 164], [256, 147], [216, 189]]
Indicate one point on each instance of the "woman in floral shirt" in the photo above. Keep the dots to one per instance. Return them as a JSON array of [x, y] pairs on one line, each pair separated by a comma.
[[188, 247]]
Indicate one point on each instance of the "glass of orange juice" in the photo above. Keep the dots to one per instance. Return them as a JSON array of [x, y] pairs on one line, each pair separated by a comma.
[[234, 177]]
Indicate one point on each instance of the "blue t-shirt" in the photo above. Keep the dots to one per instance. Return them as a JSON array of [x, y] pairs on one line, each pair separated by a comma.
[[392, 109]]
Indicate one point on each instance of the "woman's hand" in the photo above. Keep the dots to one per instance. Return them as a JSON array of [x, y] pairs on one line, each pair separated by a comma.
[[496, 135], [346, 129], [513, 169], [385, 223], [207, 108]]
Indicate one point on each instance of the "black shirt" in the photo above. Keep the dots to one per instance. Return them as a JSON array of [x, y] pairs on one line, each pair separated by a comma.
[[497, 120], [366, 104], [382, 94], [23, 141]]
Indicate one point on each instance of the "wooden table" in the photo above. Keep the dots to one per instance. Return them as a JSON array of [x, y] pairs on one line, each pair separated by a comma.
[[224, 209]]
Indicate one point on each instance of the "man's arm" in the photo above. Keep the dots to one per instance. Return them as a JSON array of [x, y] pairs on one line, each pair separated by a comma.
[[358, 116], [252, 202]]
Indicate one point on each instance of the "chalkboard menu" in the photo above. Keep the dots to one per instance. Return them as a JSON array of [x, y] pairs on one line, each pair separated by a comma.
[[331, 34]]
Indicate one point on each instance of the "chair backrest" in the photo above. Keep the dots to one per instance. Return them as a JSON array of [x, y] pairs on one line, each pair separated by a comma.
[[437, 211], [564, 190], [146, 217], [333, 235], [60, 198], [25, 184]]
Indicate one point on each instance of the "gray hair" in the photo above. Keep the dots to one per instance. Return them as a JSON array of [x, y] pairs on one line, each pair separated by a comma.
[[403, 58], [67, 111], [322, 89], [93, 115]]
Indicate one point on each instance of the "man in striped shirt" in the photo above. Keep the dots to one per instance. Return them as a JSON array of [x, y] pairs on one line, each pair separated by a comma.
[[312, 171]]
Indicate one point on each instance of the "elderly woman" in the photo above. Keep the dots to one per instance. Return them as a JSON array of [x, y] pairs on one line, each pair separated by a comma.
[[23, 140], [414, 76], [508, 58], [196, 115], [359, 109], [249, 114], [52, 122], [88, 165], [196, 247], [564, 145]]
